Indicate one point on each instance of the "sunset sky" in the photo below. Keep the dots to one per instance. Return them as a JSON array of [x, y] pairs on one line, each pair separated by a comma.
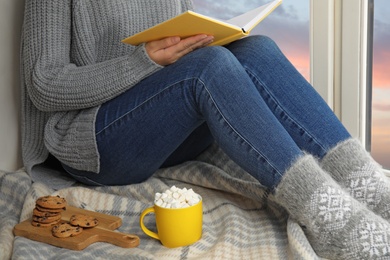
[[288, 25]]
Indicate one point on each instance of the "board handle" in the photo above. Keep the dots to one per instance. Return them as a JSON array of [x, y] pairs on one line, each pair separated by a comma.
[[116, 238]]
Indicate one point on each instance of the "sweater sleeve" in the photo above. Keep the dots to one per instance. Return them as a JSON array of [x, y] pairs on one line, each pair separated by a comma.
[[53, 82]]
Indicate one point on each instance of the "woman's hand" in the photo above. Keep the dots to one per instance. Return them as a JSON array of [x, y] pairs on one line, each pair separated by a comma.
[[170, 49]]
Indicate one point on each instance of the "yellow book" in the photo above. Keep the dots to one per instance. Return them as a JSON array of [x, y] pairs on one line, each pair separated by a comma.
[[191, 23]]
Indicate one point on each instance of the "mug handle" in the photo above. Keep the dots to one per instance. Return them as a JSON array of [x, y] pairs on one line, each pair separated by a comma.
[[143, 227]]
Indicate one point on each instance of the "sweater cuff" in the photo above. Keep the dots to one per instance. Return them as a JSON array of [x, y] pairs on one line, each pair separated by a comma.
[[145, 62]]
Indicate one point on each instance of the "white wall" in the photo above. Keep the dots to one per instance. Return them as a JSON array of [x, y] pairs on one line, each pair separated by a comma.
[[11, 16]]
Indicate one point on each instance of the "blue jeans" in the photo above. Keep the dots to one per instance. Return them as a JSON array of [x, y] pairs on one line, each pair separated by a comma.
[[246, 96]]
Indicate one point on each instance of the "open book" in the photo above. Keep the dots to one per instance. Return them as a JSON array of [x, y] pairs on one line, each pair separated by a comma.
[[191, 23]]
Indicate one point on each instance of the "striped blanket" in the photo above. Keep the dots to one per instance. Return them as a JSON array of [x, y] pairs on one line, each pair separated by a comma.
[[240, 221]]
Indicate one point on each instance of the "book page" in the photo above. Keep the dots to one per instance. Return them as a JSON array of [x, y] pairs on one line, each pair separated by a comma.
[[250, 19]]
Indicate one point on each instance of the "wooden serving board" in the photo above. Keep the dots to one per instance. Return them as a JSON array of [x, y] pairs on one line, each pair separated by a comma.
[[103, 232]]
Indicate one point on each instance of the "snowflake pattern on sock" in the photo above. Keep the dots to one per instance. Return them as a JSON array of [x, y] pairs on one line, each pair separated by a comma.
[[330, 210], [371, 239], [368, 185], [336, 219]]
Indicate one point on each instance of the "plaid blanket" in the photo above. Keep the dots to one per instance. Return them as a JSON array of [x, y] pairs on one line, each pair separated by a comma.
[[240, 220]]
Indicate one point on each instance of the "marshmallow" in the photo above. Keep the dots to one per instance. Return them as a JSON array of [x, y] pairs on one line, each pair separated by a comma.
[[176, 198]]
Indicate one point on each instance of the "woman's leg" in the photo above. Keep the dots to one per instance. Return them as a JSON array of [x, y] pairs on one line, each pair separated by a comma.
[[293, 101], [327, 212], [311, 123], [140, 129]]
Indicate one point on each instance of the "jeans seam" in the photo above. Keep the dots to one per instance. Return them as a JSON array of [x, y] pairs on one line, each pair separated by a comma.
[[236, 132], [252, 75], [141, 104]]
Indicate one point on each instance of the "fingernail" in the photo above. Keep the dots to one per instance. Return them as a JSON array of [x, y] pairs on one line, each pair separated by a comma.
[[176, 39]]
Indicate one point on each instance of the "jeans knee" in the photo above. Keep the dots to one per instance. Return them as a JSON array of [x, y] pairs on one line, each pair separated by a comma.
[[254, 50], [214, 62], [216, 56], [263, 40], [258, 41], [247, 52]]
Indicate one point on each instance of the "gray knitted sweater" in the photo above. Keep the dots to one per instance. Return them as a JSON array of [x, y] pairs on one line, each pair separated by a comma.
[[72, 62]]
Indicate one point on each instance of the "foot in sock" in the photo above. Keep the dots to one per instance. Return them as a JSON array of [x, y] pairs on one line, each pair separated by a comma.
[[354, 168], [337, 225]]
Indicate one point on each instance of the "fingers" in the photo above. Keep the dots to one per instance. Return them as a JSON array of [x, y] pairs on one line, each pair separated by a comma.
[[170, 49], [192, 43], [164, 43]]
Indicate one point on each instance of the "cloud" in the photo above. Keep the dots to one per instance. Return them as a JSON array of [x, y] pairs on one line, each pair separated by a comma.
[[381, 107], [381, 104], [224, 10], [381, 55], [382, 10]]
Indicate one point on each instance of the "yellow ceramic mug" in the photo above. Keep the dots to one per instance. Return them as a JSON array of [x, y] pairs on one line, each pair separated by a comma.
[[175, 227]]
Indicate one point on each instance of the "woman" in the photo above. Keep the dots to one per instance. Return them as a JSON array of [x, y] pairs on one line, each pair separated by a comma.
[[112, 114]]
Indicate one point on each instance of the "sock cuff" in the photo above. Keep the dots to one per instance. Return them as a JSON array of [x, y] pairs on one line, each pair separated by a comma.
[[299, 182], [345, 157], [345, 149]]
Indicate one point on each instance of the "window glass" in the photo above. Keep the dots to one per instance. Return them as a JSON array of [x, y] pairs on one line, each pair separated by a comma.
[[380, 138]]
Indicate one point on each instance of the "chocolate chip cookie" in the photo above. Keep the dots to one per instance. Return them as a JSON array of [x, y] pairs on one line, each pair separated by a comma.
[[82, 220], [65, 230]]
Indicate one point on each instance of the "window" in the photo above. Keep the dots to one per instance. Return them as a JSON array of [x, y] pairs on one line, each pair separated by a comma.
[[380, 127]]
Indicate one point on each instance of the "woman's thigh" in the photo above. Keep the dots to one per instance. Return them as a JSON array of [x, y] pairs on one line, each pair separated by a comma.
[[154, 124], [295, 103]]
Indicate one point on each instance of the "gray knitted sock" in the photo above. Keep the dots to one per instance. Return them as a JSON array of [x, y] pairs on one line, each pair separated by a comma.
[[337, 225], [354, 168]]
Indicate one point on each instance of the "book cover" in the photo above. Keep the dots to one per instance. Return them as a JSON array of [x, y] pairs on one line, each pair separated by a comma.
[[191, 23]]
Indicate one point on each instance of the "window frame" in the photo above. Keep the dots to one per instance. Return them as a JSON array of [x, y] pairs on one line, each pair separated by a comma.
[[340, 33], [341, 42]]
